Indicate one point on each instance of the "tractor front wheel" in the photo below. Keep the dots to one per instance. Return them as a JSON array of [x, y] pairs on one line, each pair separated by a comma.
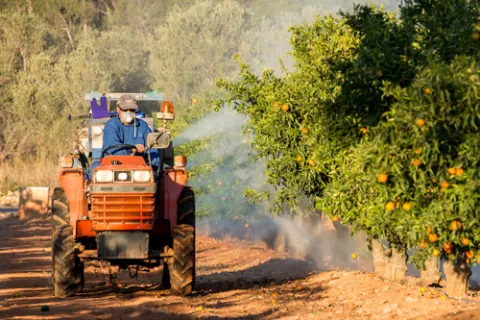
[[67, 269]]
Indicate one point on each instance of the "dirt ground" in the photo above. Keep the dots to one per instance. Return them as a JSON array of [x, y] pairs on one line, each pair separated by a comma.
[[236, 280]]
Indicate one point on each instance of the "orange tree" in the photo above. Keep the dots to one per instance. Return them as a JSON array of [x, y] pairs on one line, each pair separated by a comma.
[[303, 120], [413, 180], [330, 128]]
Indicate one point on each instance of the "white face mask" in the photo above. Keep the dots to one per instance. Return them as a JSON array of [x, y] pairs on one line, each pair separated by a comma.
[[127, 117]]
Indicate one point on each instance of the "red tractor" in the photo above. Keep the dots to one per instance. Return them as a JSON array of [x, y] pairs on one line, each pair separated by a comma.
[[121, 209]]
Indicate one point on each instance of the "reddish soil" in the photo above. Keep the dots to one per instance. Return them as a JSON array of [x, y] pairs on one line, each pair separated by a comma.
[[236, 280]]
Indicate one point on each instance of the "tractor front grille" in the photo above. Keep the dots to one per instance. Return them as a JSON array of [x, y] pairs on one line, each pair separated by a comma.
[[121, 212]]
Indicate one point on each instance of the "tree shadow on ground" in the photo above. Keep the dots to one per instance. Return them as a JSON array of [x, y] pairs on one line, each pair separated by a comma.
[[271, 273]]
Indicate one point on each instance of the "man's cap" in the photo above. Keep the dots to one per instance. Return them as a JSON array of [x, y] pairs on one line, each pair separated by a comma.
[[127, 102]]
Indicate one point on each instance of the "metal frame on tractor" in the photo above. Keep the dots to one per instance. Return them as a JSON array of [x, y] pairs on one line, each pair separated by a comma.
[[120, 209]]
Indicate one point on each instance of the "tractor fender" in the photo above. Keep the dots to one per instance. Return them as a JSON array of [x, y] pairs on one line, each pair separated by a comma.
[[73, 182], [172, 185]]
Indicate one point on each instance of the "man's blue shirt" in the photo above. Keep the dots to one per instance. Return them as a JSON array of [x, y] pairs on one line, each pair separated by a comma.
[[115, 132]]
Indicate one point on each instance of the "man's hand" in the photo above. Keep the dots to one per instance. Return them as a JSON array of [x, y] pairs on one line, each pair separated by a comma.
[[140, 148]]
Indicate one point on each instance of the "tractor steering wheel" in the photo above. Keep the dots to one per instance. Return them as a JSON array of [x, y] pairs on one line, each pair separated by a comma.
[[119, 146]]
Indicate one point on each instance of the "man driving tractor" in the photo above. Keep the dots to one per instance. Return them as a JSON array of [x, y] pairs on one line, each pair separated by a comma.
[[126, 128]]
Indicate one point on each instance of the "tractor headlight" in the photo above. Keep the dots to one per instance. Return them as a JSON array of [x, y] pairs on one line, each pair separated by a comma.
[[104, 176], [142, 176]]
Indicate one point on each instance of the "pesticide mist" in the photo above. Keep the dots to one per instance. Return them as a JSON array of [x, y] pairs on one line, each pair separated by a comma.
[[306, 233]]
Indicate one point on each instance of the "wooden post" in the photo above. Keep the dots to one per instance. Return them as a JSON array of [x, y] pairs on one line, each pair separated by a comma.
[[33, 202]]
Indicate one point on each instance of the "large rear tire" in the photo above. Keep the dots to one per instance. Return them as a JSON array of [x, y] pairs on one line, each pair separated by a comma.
[[67, 269], [182, 268]]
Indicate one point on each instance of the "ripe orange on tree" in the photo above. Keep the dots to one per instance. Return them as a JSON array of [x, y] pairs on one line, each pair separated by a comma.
[[311, 162], [448, 247], [416, 162], [427, 91], [423, 244], [407, 206], [470, 254], [452, 171], [382, 178], [285, 108], [429, 230], [459, 172], [298, 158], [276, 104], [390, 206], [420, 122], [335, 218], [436, 252], [432, 237], [305, 131], [364, 131], [465, 241], [194, 101], [455, 225], [444, 185], [418, 151]]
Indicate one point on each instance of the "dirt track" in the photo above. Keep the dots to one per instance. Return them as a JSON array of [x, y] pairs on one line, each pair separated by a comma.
[[236, 280]]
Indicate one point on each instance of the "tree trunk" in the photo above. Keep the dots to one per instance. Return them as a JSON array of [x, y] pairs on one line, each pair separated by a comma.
[[379, 257], [343, 249], [396, 266], [30, 6], [431, 274], [67, 30], [457, 274], [280, 241]]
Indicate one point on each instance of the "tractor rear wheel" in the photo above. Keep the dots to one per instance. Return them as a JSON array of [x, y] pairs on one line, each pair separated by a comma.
[[182, 269], [67, 269]]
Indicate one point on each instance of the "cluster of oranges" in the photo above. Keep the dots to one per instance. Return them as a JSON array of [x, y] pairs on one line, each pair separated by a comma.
[[432, 237], [389, 206], [448, 247], [456, 171], [276, 105]]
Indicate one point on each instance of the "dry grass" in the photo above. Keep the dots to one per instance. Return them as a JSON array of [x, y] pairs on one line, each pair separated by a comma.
[[31, 171]]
